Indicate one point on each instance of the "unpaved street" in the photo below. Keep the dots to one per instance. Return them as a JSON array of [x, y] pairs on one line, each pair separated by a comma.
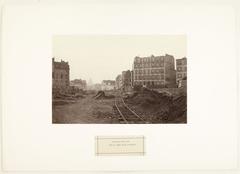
[[98, 108], [85, 110]]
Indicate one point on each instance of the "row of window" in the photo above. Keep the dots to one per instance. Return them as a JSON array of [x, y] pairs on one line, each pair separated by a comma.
[[181, 75], [148, 65], [147, 59], [182, 68], [60, 83], [149, 83], [181, 62], [149, 71], [149, 77], [59, 76]]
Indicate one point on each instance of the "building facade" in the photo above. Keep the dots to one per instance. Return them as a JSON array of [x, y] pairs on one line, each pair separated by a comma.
[[79, 83], [118, 82], [60, 75], [126, 80], [108, 84], [181, 74], [154, 71]]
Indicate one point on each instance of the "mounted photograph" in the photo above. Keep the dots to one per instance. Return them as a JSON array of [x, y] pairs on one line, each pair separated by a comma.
[[119, 79]]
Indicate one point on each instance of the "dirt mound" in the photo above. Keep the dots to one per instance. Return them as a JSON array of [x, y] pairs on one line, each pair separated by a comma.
[[68, 96], [62, 98], [160, 105], [147, 98], [102, 95], [178, 109]]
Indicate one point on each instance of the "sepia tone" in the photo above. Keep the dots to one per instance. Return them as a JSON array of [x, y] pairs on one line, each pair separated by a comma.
[[153, 90]]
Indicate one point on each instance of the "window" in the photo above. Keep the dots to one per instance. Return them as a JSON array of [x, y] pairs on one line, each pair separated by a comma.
[[179, 62]]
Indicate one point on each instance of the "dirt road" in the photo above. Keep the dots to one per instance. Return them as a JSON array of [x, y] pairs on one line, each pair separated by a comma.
[[85, 110]]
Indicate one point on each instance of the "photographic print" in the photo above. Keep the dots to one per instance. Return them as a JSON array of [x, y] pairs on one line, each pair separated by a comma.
[[119, 79]]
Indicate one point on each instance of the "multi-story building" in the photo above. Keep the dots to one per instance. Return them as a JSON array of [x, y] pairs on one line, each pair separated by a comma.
[[60, 75], [126, 80], [132, 78], [97, 87], [118, 82], [108, 84], [181, 74], [79, 83], [154, 71]]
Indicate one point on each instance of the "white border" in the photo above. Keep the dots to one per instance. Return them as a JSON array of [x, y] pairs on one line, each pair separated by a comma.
[[237, 7]]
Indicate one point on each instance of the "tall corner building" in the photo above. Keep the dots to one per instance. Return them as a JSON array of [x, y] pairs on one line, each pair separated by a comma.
[[154, 71], [181, 73], [60, 75]]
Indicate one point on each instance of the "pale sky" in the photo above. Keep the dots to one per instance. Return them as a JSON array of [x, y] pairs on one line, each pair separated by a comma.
[[103, 57]]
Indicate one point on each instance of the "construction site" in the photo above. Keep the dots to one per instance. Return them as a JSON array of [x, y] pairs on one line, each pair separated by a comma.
[[138, 107], [154, 91]]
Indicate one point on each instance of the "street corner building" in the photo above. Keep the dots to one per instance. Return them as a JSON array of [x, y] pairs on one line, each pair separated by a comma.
[[126, 81], [154, 71], [118, 82], [60, 76], [181, 73], [79, 84], [108, 85]]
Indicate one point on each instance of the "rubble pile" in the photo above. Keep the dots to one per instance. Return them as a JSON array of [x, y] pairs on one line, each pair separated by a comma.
[[161, 106], [102, 95], [63, 98], [178, 109], [147, 98]]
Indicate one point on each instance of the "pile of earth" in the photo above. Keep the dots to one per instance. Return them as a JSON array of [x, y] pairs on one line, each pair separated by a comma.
[[102, 95], [161, 106], [62, 99], [68, 96]]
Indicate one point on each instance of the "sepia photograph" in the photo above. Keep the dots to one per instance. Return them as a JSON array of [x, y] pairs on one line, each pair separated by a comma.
[[119, 79]]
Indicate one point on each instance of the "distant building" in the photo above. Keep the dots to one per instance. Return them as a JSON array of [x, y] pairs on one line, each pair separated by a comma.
[[154, 71], [60, 75], [97, 87], [108, 84], [181, 74], [126, 80], [118, 82], [79, 83], [132, 78]]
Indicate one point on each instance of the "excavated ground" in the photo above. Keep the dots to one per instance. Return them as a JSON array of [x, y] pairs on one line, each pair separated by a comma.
[[159, 107]]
